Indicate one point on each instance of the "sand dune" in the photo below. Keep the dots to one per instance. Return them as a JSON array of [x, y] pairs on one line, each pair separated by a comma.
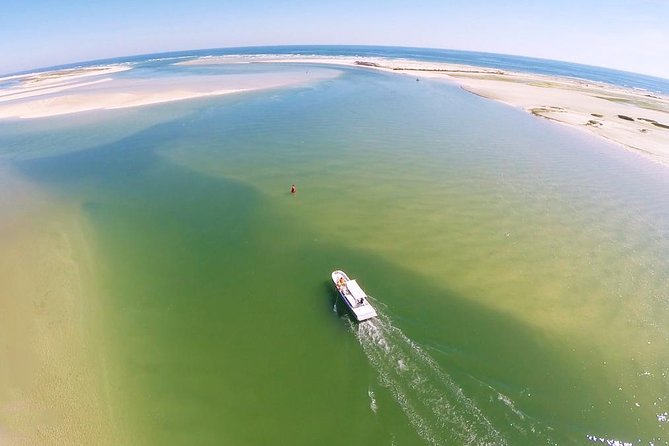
[[635, 119]]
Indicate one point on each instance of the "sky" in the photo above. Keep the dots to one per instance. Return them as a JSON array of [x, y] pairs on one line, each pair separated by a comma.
[[631, 35]]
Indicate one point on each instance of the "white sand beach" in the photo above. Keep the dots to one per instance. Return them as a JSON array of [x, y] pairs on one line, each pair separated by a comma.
[[65, 92]]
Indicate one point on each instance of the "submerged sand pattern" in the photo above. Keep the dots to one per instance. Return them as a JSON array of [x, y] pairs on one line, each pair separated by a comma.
[[52, 388]]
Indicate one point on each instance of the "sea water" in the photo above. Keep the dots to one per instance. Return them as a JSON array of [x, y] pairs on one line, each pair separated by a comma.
[[519, 267], [474, 58]]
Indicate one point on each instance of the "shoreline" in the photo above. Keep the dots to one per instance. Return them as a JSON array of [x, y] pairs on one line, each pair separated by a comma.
[[637, 120], [64, 93]]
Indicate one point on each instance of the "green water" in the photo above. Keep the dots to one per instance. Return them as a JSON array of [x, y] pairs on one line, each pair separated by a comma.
[[519, 268]]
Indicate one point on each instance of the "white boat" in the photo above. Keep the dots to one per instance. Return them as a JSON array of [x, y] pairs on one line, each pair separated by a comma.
[[353, 296]]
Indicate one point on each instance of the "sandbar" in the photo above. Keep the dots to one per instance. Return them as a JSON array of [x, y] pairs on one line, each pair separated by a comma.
[[59, 93]]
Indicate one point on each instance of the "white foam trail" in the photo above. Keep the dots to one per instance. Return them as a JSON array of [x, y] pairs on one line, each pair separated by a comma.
[[608, 441], [372, 401], [435, 406]]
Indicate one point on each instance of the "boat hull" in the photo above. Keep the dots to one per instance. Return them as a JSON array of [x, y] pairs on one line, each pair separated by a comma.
[[353, 296]]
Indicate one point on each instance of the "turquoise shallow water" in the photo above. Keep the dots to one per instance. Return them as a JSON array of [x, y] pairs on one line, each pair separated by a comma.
[[519, 267]]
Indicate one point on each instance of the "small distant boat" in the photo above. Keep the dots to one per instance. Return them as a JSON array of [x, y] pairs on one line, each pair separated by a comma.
[[353, 296]]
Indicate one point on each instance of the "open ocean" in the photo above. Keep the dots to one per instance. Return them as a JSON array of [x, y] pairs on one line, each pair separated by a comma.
[[490, 60], [519, 266]]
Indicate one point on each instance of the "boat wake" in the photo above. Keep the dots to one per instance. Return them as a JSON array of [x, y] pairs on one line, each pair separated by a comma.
[[434, 404]]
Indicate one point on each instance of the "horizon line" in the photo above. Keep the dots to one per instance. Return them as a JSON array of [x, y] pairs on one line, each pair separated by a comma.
[[119, 59]]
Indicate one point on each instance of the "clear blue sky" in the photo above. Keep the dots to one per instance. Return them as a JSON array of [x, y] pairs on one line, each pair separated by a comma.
[[631, 35]]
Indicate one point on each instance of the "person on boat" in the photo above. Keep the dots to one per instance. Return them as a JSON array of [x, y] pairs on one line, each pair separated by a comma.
[[341, 282], [293, 189]]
